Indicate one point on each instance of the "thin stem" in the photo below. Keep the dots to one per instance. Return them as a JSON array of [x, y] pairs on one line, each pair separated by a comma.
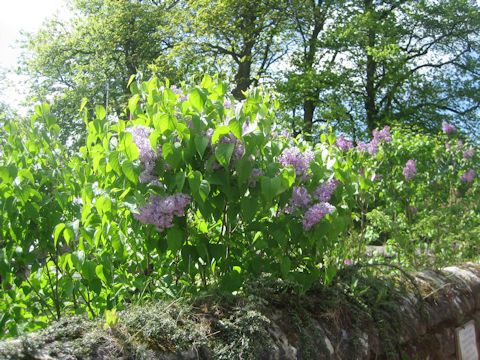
[[40, 298], [55, 299]]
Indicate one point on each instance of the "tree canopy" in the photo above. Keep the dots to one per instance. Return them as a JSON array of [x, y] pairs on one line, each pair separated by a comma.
[[352, 64]]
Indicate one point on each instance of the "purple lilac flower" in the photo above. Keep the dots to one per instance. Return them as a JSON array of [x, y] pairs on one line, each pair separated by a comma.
[[383, 134], [159, 211], [209, 133], [460, 143], [377, 177], [448, 128], [468, 176], [140, 136], [299, 161], [348, 262], [410, 169], [146, 154], [371, 147], [447, 146], [378, 136], [227, 104], [324, 192], [316, 213], [300, 197], [468, 153], [343, 144]]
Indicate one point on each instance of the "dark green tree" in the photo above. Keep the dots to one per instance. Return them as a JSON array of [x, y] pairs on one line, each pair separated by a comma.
[[379, 62], [94, 54], [247, 36]]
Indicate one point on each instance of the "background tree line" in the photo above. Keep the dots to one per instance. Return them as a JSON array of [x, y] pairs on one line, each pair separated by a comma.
[[353, 64]]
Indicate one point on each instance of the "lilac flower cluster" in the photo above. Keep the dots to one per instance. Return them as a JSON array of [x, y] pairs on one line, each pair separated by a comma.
[[146, 154], [343, 144], [299, 161], [316, 213], [324, 192], [448, 128], [378, 136], [160, 211], [410, 169], [468, 153], [300, 197], [468, 176]]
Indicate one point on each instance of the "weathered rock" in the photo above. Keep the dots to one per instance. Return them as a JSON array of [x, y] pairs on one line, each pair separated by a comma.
[[416, 319]]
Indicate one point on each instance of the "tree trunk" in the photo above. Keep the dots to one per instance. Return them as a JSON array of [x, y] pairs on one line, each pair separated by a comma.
[[370, 107], [242, 77]]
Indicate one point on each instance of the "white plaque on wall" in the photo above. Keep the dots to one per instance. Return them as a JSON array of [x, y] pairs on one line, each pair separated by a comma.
[[466, 339]]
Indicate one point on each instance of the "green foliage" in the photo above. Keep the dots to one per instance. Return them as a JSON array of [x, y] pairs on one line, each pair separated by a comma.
[[93, 55], [363, 64], [94, 231], [429, 219]]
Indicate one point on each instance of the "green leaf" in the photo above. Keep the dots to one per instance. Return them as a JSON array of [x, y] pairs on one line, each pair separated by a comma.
[[204, 189], [197, 99], [244, 169], [206, 81], [100, 112], [248, 206], [231, 282], [199, 187], [58, 230], [78, 259], [129, 172], [164, 123], [271, 187], [285, 265], [132, 77], [68, 235], [175, 239], [8, 173], [330, 273], [235, 128], [288, 176], [114, 163], [223, 153], [331, 162], [100, 274], [172, 154], [201, 143], [180, 181], [219, 132]]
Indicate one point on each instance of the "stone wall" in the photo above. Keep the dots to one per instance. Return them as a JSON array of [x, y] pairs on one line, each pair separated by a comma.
[[385, 321]]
